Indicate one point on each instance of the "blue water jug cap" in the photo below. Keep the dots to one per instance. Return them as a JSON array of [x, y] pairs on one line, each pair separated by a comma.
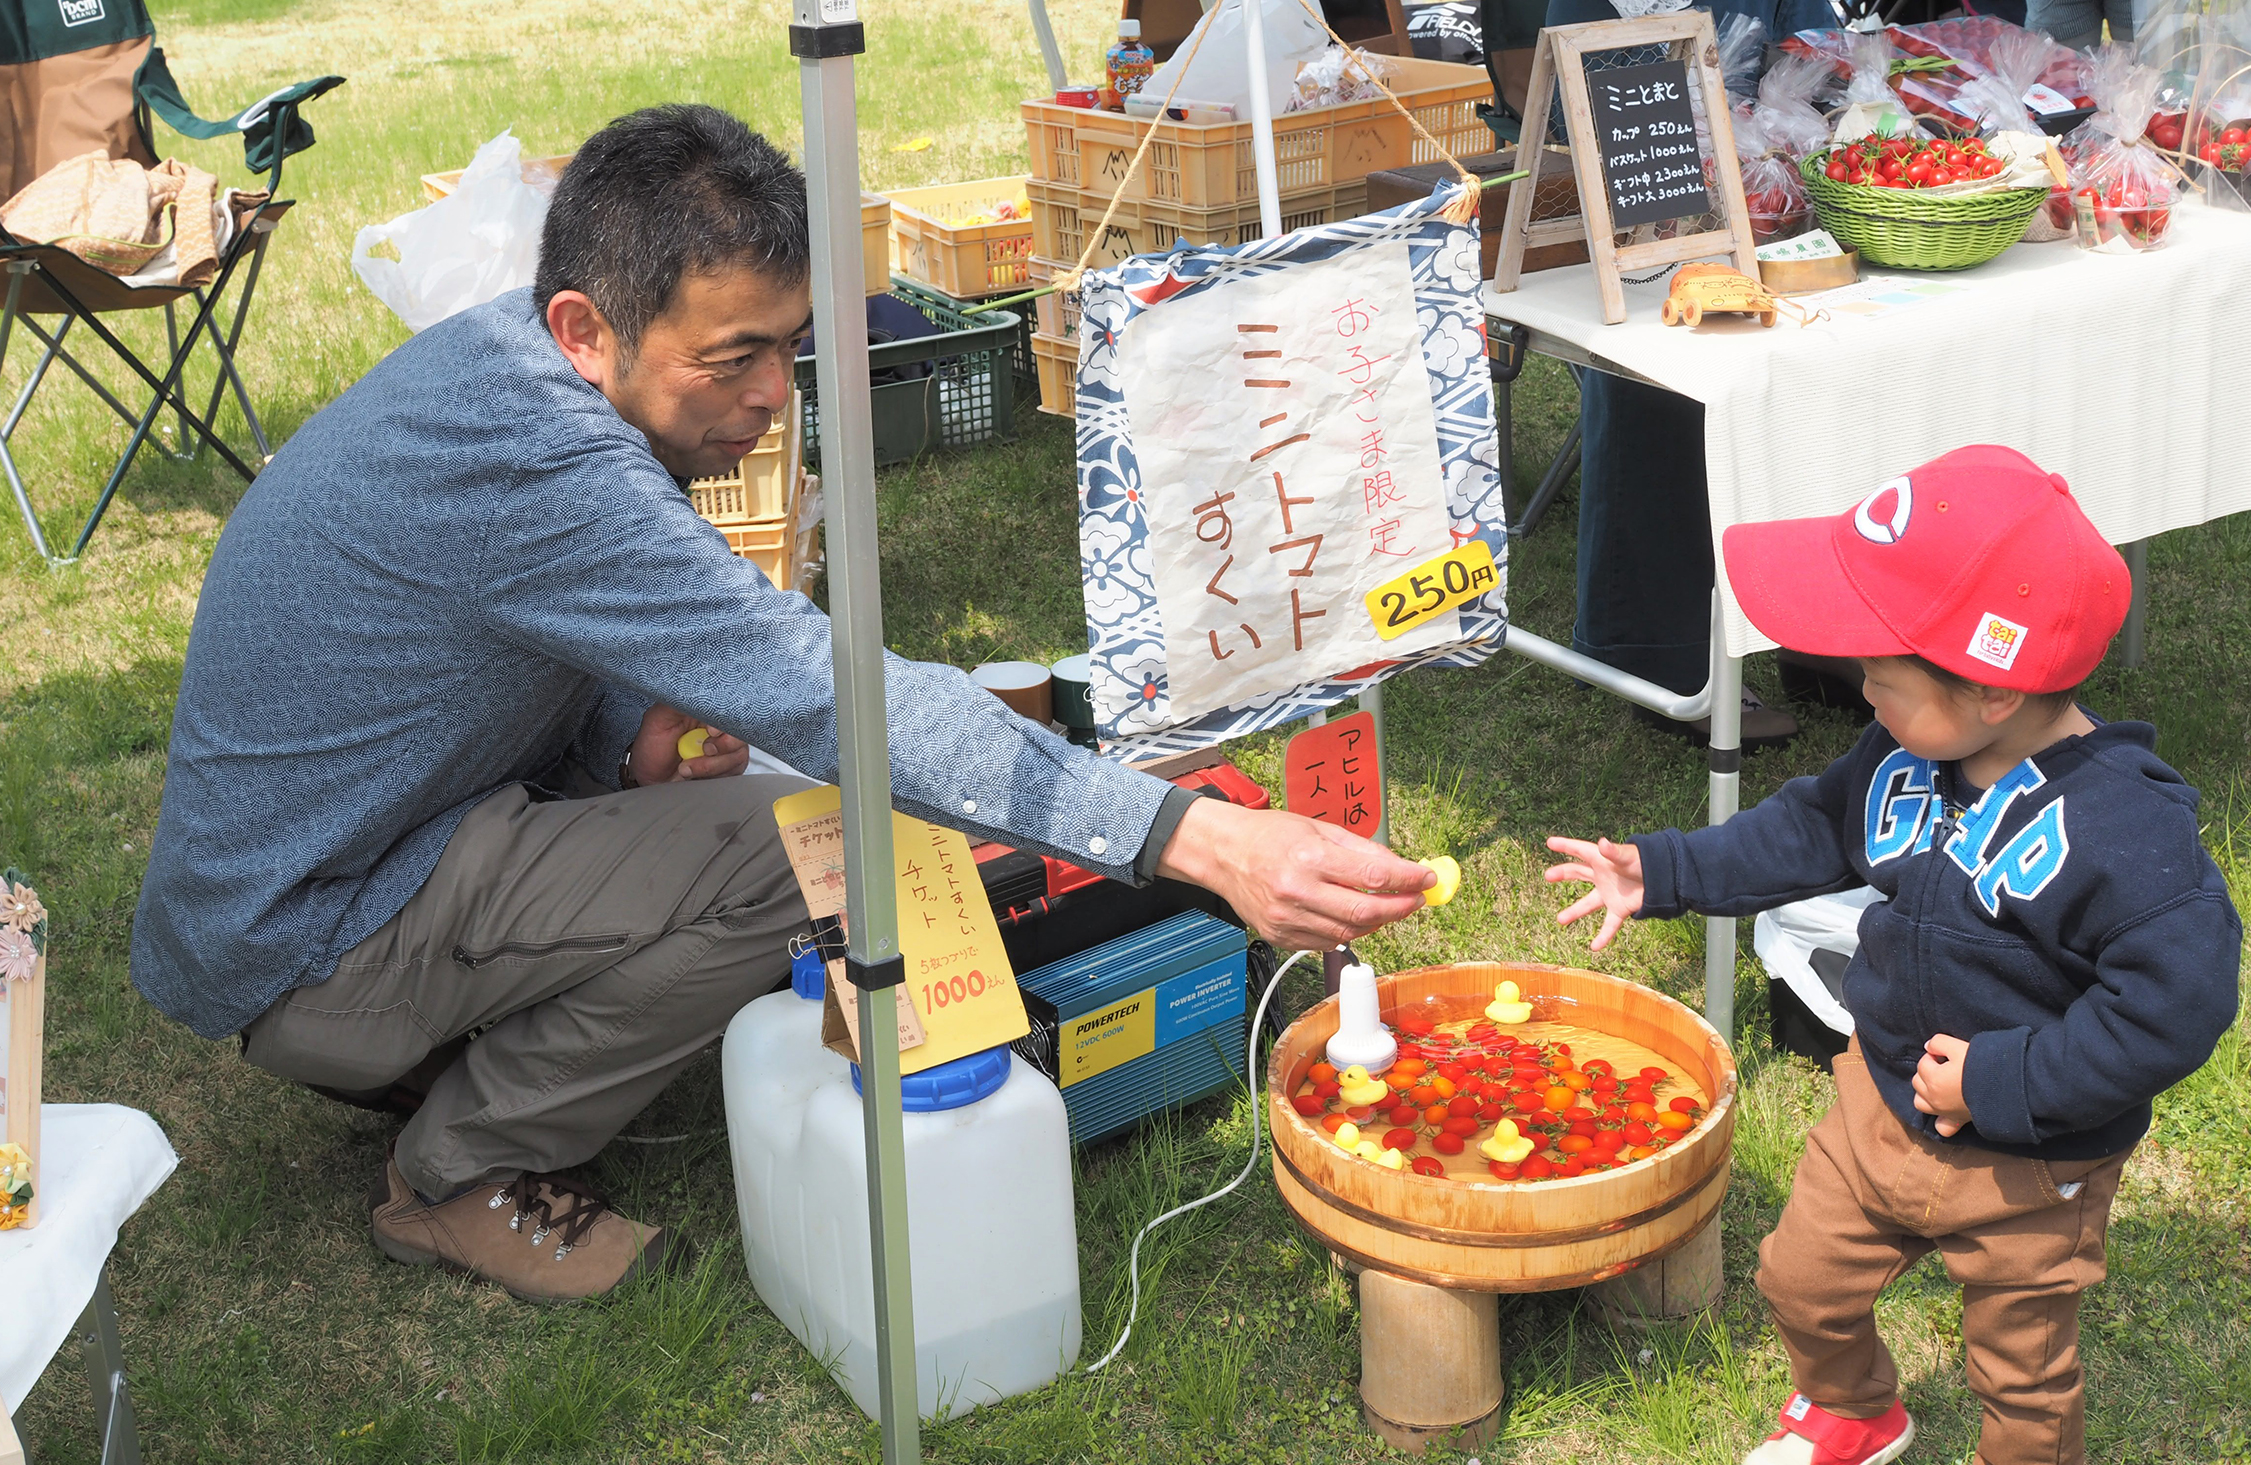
[[808, 978], [950, 1085]]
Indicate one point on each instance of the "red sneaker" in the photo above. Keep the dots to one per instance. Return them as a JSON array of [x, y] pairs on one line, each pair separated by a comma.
[[1811, 1435]]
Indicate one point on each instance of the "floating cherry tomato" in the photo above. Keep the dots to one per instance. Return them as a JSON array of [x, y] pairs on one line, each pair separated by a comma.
[[1575, 1081], [1404, 1114], [1408, 1067], [1464, 1125], [1563, 1048], [1455, 1071], [1447, 1144], [1307, 1105], [1559, 1098], [1327, 1087], [1322, 1072], [1611, 1140], [1684, 1105], [1614, 1114], [1642, 1152], [1435, 1114], [1361, 1114], [1636, 1133], [1423, 1096], [1572, 1144], [1446, 1087], [1576, 1113], [1675, 1121], [1641, 1109], [1654, 1076], [1605, 1084], [1332, 1123], [1400, 1139], [1530, 1102], [1571, 1167], [1429, 1165], [1536, 1167], [1503, 1172], [1487, 1113], [1461, 1104]]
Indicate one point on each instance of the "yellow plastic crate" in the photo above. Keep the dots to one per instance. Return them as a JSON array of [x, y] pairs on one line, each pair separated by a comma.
[[1209, 167], [1058, 363], [1057, 315], [1061, 218], [931, 244]]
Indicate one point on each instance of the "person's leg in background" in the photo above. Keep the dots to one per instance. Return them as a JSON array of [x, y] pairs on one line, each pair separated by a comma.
[[594, 946], [1645, 544], [2073, 23]]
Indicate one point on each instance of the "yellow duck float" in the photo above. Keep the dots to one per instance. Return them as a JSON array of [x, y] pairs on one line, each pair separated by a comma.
[[1506, 1145], [1358, 1090], [1508, 1006], [1350, 1140]]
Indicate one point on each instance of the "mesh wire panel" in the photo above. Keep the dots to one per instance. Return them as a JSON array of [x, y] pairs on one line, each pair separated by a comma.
[[1712, 220]]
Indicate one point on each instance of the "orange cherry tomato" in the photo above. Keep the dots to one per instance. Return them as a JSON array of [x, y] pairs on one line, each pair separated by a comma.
[[1572, 1144], [1641, 1111], [1399, 1082], [1575, 1081], [1435, 1114], [1446, 1087], [1558, 1098], [1332, 1122], [1423, 1096], [1642, 1152], [1322, 1072], [1409, 1067], [1676, 1121]]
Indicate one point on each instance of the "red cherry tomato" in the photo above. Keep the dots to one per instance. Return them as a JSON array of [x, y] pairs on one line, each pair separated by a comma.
[[1582, 1126], [1332, 1122], [1487, 1113], [1322, 1072], [1636, 1133], [1501, 1171], [1399, 1139], [1611, 1140], [1614, 1114], [1461, 1104], [1307, 1105], [1326, 1088], [1454, 1071], [1536, 1167], [1654, 1075], [1427, 1165], [2236, 134], [1599, 1068], [1572, 1144], [1447, 1144], [1576, 1114], [1684, 1105], [1361, 1114], [1530, 1102], [1464, 1125], [1571, 1167]]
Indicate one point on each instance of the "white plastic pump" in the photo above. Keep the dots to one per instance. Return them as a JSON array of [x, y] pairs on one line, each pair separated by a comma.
[[1361, 1038]]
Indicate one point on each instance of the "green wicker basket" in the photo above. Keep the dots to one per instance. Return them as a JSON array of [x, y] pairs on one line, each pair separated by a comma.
[[1909, 230]]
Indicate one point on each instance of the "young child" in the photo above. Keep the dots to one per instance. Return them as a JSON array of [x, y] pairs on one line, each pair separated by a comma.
[[2055, 950]]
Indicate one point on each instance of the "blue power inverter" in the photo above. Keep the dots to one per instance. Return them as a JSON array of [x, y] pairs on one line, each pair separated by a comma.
[[1145, 1023]]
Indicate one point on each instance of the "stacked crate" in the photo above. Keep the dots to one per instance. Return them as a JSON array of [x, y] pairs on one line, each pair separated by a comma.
[[1200, 183], [755, 506]]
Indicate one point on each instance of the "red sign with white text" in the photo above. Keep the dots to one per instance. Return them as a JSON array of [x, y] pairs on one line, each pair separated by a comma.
[[1329, 773]]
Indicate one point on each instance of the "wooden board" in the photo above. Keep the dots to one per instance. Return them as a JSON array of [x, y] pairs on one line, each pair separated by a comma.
[[1559, 64], [25, 1018]]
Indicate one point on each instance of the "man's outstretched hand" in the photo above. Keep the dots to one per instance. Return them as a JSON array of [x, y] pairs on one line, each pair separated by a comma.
[[1615, 872], [656, 750], [1299, 883]]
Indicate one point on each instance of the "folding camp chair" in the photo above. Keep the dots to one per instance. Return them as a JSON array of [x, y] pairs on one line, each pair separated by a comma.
[[83, 75]]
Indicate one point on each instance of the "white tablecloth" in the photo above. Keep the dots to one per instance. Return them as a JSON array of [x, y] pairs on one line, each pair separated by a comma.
[[97, 1163], [2123, 374]]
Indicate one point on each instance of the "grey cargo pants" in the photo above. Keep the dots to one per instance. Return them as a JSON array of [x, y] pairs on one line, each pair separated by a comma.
[[600, 943]]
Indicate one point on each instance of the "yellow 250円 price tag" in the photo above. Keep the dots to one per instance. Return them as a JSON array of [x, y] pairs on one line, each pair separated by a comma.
[[1432, 588]]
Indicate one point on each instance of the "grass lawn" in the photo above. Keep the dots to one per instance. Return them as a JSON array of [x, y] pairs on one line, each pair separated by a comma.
[[259, 1323]]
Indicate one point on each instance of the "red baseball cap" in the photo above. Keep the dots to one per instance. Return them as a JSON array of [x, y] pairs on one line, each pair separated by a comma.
[[1977, 561]]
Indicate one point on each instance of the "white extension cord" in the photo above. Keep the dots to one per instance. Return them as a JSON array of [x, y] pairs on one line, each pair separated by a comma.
[[1258, 1102]]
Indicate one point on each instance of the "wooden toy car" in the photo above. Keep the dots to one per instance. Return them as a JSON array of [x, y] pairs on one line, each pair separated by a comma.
[[1701, 288]]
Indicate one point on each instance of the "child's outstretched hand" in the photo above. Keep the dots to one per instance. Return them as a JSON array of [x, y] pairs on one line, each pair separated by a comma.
[[1615, 872], [1938, 1083]]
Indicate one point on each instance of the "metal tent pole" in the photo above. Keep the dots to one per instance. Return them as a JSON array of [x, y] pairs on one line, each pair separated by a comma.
[[1726, 755], [825, 37], [1043, 31]]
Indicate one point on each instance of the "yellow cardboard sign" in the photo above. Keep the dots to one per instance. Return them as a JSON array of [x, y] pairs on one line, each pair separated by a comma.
[[960, 994], [1099, 1041], [1432, 588]]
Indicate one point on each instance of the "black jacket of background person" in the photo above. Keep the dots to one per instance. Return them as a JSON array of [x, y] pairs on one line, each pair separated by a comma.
[[2067, 922]]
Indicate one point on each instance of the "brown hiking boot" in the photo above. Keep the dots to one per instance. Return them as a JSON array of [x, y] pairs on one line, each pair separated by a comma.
[[546, 1238]]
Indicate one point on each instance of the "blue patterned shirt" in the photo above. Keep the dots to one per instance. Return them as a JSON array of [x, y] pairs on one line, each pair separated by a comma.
[[464, 570]]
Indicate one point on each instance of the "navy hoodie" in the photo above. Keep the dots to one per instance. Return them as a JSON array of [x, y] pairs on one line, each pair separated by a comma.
[[2067, 922]]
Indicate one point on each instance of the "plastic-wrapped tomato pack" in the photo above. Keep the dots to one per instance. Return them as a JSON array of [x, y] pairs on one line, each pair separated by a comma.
[[1473, 1099], [1777, 130], [2123, 186], [2053, 77]]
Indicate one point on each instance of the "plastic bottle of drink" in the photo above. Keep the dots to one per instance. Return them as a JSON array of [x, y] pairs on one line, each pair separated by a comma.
[[1126, 66]]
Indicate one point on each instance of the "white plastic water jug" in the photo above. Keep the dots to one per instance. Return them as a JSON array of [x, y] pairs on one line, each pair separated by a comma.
[[993, 1245]]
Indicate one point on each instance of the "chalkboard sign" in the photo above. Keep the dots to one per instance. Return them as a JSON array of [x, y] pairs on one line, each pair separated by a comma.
[[1633, 150], [1647, 136]]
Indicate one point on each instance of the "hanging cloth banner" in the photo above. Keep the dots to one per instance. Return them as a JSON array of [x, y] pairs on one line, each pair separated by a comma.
[[1272, 437]]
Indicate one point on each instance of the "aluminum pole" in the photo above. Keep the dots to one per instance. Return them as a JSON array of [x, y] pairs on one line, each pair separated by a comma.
[[1043, 31], [1262, 122], [1725, 796], [825, 37]]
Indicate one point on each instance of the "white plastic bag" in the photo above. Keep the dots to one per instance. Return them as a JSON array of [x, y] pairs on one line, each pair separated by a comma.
[[1787, 936], [477, 242], [1221, 72]]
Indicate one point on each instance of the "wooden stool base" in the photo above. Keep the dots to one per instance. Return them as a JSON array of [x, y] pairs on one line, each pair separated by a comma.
[[1430, 1363], [1680, 1284]]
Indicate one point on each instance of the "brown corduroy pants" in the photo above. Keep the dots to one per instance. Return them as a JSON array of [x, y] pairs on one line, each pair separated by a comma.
[[2022, 1237]]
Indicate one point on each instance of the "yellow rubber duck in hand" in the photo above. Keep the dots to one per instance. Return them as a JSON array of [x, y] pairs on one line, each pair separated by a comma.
[[1508, 1005], [1358, 1090], [1506, 1145]]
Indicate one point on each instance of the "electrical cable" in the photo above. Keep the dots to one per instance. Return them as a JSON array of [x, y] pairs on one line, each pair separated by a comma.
[[1250, 1077]]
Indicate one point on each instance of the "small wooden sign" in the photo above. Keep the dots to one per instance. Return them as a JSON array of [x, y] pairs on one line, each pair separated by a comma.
[[1634, 151], [1330, 773]]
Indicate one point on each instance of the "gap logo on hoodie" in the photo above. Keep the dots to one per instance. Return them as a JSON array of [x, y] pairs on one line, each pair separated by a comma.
[[1905, 811]]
